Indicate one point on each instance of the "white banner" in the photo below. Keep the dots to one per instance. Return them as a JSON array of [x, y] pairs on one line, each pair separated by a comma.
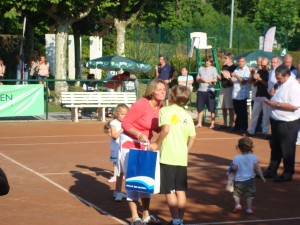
[[269, 39]]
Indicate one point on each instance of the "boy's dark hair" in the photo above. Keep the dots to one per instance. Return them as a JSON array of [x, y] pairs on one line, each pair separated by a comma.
[[245, 145], [283, 70], [180, 95], [107, 128]]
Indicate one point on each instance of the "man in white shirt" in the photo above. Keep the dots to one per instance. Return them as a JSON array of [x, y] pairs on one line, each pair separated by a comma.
[[285, 123], [240, 94]]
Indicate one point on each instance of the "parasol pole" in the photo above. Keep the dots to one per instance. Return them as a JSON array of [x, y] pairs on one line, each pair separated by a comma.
[[21, 52]]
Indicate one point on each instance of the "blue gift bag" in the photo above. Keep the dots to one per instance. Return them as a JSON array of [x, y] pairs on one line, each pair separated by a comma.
[[143, 171]]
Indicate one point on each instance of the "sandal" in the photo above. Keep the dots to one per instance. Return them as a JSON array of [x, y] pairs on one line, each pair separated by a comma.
[[151, 220]]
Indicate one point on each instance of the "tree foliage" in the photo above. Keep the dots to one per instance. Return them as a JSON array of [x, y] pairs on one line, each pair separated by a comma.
[[282, 14]]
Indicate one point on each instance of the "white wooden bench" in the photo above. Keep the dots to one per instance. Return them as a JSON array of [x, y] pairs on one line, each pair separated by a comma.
[[100, 100]]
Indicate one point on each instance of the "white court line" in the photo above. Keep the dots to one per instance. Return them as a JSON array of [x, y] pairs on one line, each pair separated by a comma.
[[93, 142], [103, 212], [56, 143], [247, 221], [56, 136]]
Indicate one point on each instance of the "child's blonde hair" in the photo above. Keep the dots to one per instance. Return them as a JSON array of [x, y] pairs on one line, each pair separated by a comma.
[[118, 109], [245, 145]]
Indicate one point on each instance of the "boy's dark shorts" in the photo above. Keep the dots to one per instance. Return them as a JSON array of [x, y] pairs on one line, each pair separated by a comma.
[[245, 188], [172, 178]]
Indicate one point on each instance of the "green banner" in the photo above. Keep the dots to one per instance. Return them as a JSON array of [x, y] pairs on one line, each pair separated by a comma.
[[21, 100]]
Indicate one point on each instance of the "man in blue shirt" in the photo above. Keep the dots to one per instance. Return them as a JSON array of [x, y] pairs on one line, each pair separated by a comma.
[[165, 72]]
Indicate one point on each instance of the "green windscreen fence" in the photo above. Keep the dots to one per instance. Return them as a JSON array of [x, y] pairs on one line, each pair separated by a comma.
[[21, 100]]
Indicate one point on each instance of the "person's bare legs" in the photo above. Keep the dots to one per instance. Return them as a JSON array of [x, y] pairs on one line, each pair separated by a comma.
[[146, 205], [176, 202], [249, 201], [224, 113], [172, 202], [119, 182], [200, 116], [133, 209], [212, 118], [167, 102], [181, 199], [231, 117]]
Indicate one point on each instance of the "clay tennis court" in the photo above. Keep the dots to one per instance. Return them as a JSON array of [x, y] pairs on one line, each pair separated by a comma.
[[58, 174]]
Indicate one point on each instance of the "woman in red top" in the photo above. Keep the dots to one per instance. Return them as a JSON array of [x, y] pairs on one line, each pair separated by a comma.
[[138, 124]]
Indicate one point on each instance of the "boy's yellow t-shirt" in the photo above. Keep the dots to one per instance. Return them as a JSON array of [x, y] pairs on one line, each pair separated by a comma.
[[174, 147]]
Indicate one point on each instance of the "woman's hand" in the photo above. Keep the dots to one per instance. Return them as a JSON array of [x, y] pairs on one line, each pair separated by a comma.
[[143, 138]]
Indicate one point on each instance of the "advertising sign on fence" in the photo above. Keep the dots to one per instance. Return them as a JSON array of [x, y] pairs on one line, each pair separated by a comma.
[[21, 100]]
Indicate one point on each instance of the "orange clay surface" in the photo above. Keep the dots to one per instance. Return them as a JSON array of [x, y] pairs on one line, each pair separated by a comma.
[[58, 175]]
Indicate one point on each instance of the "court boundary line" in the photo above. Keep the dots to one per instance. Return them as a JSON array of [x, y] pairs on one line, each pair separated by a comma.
[[246, 221], [103, 212], [93, 142]]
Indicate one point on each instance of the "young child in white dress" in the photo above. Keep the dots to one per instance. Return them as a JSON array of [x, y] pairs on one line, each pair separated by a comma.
[[114, 129]]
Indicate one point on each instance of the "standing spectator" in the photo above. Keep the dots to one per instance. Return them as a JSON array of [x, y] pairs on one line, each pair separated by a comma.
[[243, 165], [288, 62], [2, 70], [185, 79], [260, 81], [207, 78], [22, 69], [43, 70], [298, 70], [285, 124], [253, 91], [253, 71], [165, 72], [32, 68], [275, 62], [175, 140], [139, 124], [240, 94], [225, 96], [298, 79]]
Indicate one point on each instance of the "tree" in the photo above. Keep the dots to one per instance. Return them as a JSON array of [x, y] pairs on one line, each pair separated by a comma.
[[123, 13], [282, 14]]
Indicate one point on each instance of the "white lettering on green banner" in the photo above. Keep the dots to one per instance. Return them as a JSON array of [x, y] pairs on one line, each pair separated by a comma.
[[21, 100]]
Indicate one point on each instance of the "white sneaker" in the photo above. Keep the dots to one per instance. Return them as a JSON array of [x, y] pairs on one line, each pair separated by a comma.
[[119, 197], [136, 221]]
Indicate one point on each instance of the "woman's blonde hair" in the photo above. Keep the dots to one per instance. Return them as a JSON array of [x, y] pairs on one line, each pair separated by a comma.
[[152, 87]]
